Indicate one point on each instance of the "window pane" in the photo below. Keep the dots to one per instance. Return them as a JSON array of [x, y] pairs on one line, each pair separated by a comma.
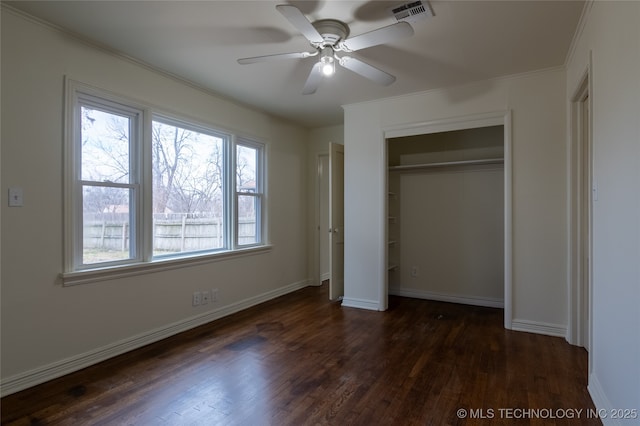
[[188, 202], [246, 160], [105, 146], [106, 228], [248, 220]]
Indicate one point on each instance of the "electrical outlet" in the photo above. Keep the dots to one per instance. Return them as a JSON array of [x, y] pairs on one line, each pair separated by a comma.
[[206, 297], [214, 295], [414, 271], [197, 298]]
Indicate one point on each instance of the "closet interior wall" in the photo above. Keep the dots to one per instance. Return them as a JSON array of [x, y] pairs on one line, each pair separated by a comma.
[[446, 216]]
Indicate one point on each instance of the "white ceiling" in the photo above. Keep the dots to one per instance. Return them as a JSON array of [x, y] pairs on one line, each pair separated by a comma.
[[200, 41]]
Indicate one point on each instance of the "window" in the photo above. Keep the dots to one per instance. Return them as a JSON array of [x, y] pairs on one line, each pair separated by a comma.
[[108, 189], [248, 193], [188, 188], [144, 187]]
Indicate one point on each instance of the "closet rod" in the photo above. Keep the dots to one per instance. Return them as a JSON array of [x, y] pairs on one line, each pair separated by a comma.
[[447, 163]]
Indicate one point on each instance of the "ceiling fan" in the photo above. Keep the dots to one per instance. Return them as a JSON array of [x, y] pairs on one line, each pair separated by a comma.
[[329, 36]]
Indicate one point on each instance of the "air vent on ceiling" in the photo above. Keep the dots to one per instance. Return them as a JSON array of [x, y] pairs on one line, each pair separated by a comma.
[[413, 11]]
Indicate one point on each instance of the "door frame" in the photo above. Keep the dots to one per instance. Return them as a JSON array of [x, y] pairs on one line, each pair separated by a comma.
[[580, 330], [499, 118]]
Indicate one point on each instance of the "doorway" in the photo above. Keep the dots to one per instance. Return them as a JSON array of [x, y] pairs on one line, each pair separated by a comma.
[[336, 221], [330, 220], [322, 189], [446, 216], [502, 119], [582, 196]]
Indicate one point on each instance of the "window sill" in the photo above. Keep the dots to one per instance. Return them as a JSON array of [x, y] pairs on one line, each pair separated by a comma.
[[116, 272]]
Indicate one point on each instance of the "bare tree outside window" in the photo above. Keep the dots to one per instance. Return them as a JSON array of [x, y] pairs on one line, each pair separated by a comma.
[[247, 195], [188, 202], [105, 167], [194, 208]]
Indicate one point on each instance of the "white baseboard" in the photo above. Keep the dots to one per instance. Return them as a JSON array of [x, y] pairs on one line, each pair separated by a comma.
[[601, 402], [60, 368], [371, 305], [325, 276], [538, 327], [444, 297]]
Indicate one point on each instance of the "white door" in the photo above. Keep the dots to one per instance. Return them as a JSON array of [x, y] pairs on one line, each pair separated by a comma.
[[323, 216], [585, 221], [336, 220]]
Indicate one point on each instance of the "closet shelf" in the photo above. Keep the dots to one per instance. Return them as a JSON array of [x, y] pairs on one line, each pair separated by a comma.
[[446, 164]]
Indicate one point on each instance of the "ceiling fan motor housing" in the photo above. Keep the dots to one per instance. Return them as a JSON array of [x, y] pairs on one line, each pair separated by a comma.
[[331, 30]]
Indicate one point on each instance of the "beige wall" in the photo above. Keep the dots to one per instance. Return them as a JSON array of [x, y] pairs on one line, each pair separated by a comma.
[[609, 38], [47, 328], [452, 227]]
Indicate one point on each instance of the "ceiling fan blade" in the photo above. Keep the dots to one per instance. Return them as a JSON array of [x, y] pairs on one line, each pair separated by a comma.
[[301, 22], [314, 80], [278, 56], [381, 35], [366, 70]]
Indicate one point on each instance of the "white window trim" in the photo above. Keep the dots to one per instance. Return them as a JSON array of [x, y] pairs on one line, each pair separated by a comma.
[[157, 265], [144, 262]]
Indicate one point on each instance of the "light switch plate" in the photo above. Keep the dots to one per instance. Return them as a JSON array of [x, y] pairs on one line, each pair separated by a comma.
[[16, 197]]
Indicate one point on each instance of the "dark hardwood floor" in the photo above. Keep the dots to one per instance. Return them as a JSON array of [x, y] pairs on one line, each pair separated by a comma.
[[301, 359]]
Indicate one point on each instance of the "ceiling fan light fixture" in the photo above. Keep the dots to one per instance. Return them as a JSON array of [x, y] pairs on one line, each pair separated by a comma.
[[328, 62]]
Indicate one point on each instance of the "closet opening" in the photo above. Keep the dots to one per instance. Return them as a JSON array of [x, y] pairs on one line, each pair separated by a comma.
[[448, 231]]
